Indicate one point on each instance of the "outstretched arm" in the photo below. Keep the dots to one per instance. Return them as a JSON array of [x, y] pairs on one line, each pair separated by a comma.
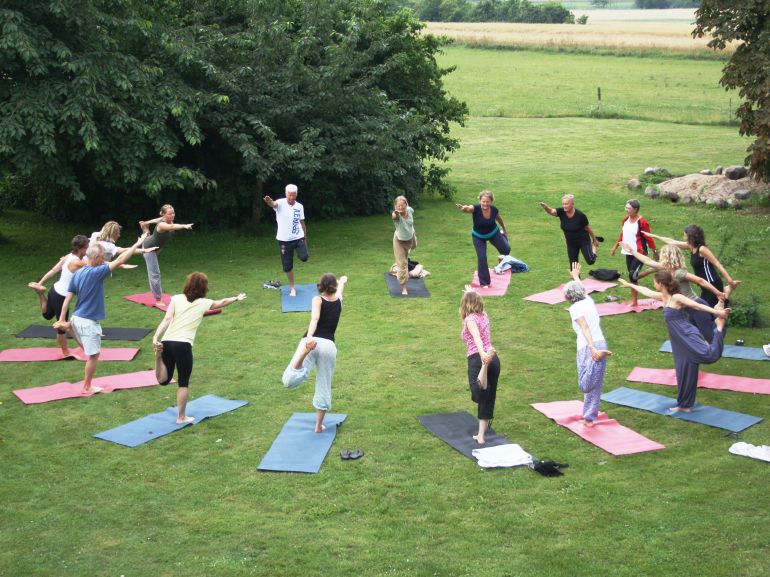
[[126, 254], [641, 290], [703, 283], [165, 227], [548, 209], [269, 201], [667, 240], [684, 301], [221, 303], [643, 258], [465, 207]]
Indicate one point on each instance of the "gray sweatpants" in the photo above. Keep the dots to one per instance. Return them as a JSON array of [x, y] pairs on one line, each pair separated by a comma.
[[153, 273], [324, 358]]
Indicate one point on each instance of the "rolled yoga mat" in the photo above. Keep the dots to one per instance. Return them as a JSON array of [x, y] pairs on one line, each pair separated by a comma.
[[297, 448], [415, 286], [661, 405], [705, 381], [157, 425], [301, 303], [54, 354], [607, 434], [457, 430], [109, 333], [731, 351]]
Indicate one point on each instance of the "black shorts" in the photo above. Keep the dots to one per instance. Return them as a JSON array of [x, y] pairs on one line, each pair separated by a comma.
[[287, 249], [177, 355], [54, 303]]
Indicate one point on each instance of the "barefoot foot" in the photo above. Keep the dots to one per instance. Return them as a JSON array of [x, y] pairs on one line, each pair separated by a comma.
[[92, 390], [185, 420], [293, 292], [37, 287], [602, 354], [479, 439], [319, 429]]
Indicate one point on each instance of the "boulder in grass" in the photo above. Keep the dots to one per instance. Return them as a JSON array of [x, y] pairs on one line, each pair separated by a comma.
[[736, 172], [651, 192], [742, 194], [719, 170], [706, 172], [634, 184]]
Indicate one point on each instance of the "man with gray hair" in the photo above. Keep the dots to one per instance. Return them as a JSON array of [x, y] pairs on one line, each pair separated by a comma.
[[292, 234], [88, 284]]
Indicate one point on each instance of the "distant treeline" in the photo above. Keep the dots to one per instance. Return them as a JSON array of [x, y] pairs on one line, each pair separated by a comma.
[[668, 3], [490, 11]]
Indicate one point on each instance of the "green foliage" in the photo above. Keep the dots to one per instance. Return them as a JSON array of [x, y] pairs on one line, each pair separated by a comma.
[[744, 311], [114, 107], [748, 25], [492, 11], [582, 19], [653, 4]]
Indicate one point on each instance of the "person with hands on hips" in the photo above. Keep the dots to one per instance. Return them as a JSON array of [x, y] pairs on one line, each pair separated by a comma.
[[488, 226]]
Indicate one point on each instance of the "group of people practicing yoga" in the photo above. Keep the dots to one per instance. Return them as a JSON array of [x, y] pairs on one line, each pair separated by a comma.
[[696, 324]]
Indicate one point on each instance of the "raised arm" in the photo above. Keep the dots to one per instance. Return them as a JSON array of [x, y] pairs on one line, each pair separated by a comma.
[[666, 240], [221, 303], [641, 290], [126, 254], [548, 209], [341, 285], [465, 207], [574, 271], [643, 258], [269, 201]]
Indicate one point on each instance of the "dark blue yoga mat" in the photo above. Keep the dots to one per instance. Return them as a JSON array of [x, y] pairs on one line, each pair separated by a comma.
[[457, 430], [415, 286], [661, 405], [158, 424], [731, 351], [302, 302], [297, 448]]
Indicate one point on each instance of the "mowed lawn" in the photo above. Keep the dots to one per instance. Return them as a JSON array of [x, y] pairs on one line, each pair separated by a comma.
[[193, 503]]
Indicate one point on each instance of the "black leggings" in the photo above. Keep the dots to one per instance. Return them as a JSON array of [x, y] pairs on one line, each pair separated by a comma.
[[179, 355], [575, 247], [484, 398]]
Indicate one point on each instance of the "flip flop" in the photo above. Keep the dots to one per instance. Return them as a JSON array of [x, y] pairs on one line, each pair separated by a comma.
[[345, 454], [357, 454]]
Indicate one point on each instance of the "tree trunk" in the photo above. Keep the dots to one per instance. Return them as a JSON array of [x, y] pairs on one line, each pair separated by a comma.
[[256, 202]]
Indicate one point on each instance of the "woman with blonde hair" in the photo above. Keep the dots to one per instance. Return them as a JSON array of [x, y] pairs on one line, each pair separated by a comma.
[[488, 226], [108, 237], [404, 239], [164, 230], [178, 329], [672, 260], [687, 346], [483, 362]]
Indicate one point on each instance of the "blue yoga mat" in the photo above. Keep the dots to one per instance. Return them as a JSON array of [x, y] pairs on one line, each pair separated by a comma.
[[156, 425], [302, 302], [297, 448], [660, 404], [731, 351]]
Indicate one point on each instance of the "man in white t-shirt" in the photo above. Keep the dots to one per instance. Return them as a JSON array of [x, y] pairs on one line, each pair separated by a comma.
[[292, 234]]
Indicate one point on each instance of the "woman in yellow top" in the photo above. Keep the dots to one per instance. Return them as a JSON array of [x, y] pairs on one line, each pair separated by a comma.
[[180, 324]]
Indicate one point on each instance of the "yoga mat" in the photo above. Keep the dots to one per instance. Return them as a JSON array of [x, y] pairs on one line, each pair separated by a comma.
[[457, 430], [607, 434], [156, 425], [555, 296], [705, 380], [297, 448], [731, 351], [109, 334], [415, 286], [148, 299], [619, 308], [498, 287], [302, 302], [660, 405], [65, 390], [55, 354]]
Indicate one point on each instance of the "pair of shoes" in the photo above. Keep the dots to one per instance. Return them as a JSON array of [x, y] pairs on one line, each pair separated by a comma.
[[549, 468], [269, 286], [347, 454], [766, 348], [274, 283]]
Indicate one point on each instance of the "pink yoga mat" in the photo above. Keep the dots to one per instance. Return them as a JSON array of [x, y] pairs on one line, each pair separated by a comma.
[[556, 295], [705, 381], [618, 308], [55, 354], [498, 287], [607, 434], [148, 299], [67, 390]]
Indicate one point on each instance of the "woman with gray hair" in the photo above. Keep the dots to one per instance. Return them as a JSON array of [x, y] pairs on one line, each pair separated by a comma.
[[578, 233], [486, 219], [592, 350]]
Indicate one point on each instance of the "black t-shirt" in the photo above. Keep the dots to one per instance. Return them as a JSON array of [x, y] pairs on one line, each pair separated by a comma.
[[328, 320], [574, 228]]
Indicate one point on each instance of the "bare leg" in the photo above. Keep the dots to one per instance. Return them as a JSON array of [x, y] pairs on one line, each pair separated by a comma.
[[62, 340], [482, 378], [319, 418], [181, 404], [404, 290], [483, 426], [161, 373], [40, 290], [634, 298], [293, 288], [91, 363]]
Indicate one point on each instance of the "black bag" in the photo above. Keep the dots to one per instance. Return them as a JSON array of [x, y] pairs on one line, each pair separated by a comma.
[[604, 274]]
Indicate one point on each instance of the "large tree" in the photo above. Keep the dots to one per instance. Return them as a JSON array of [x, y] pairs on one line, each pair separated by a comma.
[[746, 23], [111, 106]]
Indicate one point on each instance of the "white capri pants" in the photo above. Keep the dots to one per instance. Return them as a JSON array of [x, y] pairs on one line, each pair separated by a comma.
[[324, 358]]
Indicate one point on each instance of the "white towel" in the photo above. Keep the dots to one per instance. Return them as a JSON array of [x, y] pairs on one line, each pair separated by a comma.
[[511, 455], [761, 452]]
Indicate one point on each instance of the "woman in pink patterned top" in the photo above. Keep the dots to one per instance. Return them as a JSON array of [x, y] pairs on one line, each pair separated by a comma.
[[483, 363]]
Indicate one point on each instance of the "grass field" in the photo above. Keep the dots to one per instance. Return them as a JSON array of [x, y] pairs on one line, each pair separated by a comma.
[[193, 503]]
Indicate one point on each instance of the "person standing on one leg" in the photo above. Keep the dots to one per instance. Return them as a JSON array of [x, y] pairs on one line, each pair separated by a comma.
[[317, 347], [178, 329], [592, 350], [88, 284], [292, 233], [488, 226], [404, 239], [51, 305], [483, 363], [578, 233], [634, 231]]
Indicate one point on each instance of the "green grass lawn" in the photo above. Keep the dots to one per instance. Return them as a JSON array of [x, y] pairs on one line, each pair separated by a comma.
[[192, 503]]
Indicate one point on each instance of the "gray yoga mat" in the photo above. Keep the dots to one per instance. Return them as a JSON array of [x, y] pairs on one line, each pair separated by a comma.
[[110, 333], [457, 430], [415, 286]]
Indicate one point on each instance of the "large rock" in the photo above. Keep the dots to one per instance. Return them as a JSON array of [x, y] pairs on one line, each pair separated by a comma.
[[712, 189], [634, 184], [736, 172]]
